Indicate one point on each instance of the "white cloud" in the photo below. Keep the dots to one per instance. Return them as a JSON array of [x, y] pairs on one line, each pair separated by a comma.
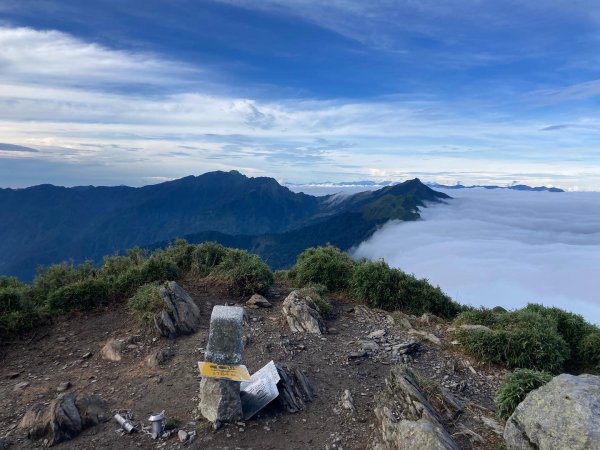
[[503, 248], [58, 92]]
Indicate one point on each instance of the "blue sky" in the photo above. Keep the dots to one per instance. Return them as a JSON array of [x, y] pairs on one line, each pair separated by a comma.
[[114, 92]]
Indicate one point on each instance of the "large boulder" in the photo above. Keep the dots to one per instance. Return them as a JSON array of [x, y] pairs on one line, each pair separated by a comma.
[[181, 315], [563, 414], [302, 314], [64, 418], [405, 418]]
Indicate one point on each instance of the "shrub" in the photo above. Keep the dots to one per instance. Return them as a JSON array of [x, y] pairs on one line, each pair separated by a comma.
[[11, 299], [15, 322], [206, 257], [84, 294], [155, 269], [327, 265], [376, 284], [146, 303], [479, 316], [247, 273], [589, 351], [534, 347], [418, 296], [180, 253], [516, 387], [56, 276], [10, 282]]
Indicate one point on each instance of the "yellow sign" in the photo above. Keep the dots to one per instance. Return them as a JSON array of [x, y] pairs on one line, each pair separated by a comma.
[[223, 371]]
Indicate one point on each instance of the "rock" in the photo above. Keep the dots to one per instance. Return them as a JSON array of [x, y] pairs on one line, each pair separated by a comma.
[[295, 389], [21, 386], [13, 375], [470, 327], [111, 351], [182, 435], [405, 418], [376, 334], [368, 346], [405, 348], [493, 424], [5, 443], [64, 418], [64, 386], [180, 316], [86, 355], [258, 301], [220, 399], [302, 314], [347, 401], [563, 414], [427, 336], [160, 357]]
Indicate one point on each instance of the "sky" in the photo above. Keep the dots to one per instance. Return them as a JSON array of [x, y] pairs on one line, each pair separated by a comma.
[[137, 92], [503, 248]]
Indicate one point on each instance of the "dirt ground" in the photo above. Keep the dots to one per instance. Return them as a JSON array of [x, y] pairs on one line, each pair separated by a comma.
[[56, 354]]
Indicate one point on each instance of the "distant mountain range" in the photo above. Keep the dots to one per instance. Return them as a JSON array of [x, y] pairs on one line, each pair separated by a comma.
[[378, 184], [514, 187], [47, 224]]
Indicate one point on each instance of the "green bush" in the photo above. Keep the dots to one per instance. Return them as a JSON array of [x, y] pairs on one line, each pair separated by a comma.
[[376, 284], [146, 303], [247, 273], [516, 387], [11, 299], [10, 282], [534, 347], [589, 351], [327, 265], [84, 294], [418, 296], [206, 256], [180, 253], [479, 316], [54, 277]]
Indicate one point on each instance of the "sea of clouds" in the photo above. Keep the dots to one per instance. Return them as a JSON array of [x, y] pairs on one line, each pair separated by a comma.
[[502, 247]]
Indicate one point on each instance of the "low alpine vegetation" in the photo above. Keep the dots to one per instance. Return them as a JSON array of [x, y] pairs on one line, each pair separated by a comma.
[[534, 337], [516, 387]]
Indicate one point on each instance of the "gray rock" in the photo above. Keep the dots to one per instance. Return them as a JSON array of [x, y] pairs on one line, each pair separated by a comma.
[[160, 357], [302, 314], [182, 435], [64, 418], [347, 401], [563, 414], [111, 351], [376, 334], [405, 418], [369, 346], [220, 401], [62, 387], [21, 386], [258, 301], [181, 315]]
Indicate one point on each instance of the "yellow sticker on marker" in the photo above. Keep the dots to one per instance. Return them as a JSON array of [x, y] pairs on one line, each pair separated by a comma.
[[223, 371]]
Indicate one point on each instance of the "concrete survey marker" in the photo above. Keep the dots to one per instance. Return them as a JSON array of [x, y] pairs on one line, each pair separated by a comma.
[[220, 397], [225, 344]]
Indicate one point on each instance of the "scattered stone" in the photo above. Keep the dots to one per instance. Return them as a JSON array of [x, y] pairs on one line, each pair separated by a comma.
[[493, 424], [61, 339], [347, 401], [406, 348], [220, 399], [258, 301], [111, 351], [182, 435], [64, 418], [427, 336], [21, 386], [405, 418], [160, 357], [302, 314], [376, 334], [86, 355], [181, 315], [13, 375], [295, 389], [369, 346], [356, 355], [565, 414], [64, 386]]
